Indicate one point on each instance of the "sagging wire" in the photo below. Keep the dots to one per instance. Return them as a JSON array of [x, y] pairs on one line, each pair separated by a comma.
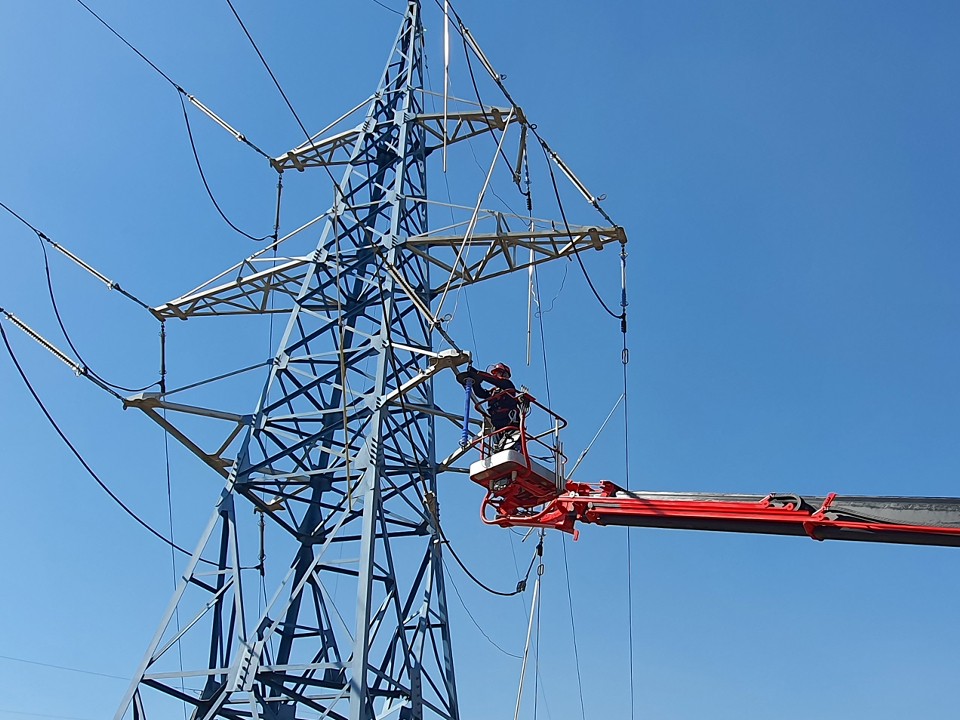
[[200, 106], [193, 101], [473, 619], [66, 335], [76, 453], [521, 585], [206, 185], [84, 368]]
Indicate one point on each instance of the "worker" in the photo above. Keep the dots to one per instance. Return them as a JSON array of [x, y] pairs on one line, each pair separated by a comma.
[[503, 407]]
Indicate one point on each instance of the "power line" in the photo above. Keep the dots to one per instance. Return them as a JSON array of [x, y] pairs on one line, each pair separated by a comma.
[[175, 85], [41, 715], [521, 585], [61, 249], [76, 453], [473, 619], [269, 71], [385, 7], [44, 240], [181, 94], [206, 185], [62, 667], [200, 106], [337, 191], [129, 45]]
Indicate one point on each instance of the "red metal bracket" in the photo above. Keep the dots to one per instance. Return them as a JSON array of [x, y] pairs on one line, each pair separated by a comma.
[[817, 519]]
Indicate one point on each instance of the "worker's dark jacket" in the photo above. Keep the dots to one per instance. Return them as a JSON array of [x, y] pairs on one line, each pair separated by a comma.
[[501, 400]]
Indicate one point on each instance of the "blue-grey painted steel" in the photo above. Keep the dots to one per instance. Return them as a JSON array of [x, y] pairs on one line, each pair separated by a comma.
[[339, 456], [347, 467]]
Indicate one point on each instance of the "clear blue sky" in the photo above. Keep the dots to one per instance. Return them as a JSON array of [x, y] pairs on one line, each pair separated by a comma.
[[788, 175]]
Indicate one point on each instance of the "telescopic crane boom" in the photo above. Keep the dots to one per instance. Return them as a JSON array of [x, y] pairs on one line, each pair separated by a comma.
[[527, 487], [907, 520]]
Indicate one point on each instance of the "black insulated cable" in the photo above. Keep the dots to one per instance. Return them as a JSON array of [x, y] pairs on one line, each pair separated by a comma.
[[521, 586], [80, 458], [206, 185], [66, 335]]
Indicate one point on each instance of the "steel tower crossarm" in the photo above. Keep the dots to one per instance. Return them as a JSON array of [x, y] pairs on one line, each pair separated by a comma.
[[449, 129], [459, 260]]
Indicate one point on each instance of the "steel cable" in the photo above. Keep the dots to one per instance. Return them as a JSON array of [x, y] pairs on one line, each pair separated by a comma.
[[206, 185], [80, 458], [521, 585]]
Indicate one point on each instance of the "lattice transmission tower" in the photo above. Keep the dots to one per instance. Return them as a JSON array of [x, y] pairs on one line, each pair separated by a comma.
[[339, 455]]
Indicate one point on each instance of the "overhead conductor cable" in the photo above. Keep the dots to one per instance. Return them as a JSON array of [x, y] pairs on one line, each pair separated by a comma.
[[59, 431]]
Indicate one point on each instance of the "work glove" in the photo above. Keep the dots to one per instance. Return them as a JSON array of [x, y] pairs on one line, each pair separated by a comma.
[[470, 373]]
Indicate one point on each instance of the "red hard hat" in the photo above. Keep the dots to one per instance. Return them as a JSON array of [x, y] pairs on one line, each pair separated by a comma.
[[500, 367]]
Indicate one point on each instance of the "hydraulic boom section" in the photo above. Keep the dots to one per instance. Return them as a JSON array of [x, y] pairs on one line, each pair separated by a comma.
[[526, 487], [905, 520]]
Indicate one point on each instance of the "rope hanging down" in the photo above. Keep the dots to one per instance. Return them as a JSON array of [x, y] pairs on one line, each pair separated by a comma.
[[534, 617], [552, 158]]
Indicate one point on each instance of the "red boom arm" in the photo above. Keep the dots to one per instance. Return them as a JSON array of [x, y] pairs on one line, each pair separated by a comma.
[[528, 489], [911, 520]]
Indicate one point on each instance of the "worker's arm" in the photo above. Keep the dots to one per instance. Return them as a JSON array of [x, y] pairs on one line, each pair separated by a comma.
[[480, 376]]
